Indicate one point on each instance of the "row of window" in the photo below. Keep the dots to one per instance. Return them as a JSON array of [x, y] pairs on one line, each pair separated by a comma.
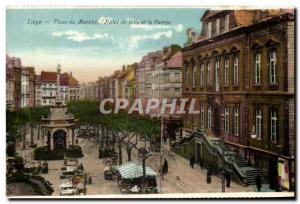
[[236, 117], [273, 124], [206, 78], [217, 26], [206, 122], [25, 78]]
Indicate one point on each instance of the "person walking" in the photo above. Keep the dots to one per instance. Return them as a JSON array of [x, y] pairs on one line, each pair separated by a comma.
[[192, 161], [228, 179], [166, 166], [208, 177], [258, 182]]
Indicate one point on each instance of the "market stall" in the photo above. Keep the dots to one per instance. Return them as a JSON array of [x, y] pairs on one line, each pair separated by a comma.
[[131, 179]]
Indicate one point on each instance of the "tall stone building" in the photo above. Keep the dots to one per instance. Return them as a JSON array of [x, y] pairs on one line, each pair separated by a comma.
[[24, 88], [143, 75], [13, 83], [69, 88], [73, 88], [241, 71], [38, 91], [31, 86]]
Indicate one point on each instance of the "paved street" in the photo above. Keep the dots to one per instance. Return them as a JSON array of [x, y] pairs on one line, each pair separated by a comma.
[[190, 180]]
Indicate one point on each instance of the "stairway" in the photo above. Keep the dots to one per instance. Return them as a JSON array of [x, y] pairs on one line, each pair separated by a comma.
[[249, 171], [228, 158]]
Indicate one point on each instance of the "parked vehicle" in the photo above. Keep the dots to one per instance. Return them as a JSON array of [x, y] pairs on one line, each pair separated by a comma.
[[68, 172], [68, 188]]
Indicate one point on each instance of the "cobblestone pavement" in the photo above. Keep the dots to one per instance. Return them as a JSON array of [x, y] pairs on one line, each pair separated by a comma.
[[190, 180]]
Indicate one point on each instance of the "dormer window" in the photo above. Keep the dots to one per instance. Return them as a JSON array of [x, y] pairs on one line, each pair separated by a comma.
[[209, 29], [226, 22], [217, 26]]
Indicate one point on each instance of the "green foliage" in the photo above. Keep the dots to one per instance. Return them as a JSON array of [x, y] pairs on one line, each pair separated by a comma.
[[43, 153], [88, 114], [19, 163], [27, 116], [74, 152], [106, 152], [11, 149]]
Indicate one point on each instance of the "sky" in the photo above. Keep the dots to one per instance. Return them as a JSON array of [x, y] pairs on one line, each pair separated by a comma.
[[113, 37]]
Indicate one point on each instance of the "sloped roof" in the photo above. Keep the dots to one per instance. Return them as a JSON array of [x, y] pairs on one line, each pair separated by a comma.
[[73, 81], [64, 79], [131, 170], [175, 61], [48, 76], [210, 13]]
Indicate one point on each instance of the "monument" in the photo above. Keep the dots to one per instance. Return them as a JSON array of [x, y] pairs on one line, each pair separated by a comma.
[[58, 127]]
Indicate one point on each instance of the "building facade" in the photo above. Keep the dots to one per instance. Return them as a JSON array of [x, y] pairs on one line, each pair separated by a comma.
[[143, 75], [73, 88], [46, 88], [38, 91], [241, 71], [89, 91], [48, 84], [24, 88], [13, 83], [31, 86]]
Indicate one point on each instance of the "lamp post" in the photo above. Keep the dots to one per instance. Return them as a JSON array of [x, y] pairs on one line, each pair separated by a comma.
[[161, 153], [222, 138], [223, 175]]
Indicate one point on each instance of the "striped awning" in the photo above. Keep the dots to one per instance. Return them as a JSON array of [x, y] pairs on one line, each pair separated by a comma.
[[131, 170]]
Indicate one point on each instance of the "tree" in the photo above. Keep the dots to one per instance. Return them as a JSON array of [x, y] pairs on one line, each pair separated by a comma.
[[115, 127], [17, 122], [19, 163]]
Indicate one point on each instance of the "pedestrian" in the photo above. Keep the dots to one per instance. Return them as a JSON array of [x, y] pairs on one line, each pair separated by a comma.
[[208, 177], [228, 179], [192, 161], [258, 182], [166, 166]]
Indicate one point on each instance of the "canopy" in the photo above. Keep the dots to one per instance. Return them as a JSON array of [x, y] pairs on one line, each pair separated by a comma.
[[131, 170]]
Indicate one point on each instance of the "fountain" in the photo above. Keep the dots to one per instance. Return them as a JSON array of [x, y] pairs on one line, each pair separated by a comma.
[[58, 127]]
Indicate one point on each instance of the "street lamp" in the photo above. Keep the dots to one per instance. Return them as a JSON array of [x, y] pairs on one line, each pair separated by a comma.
[[161, 152], [223, 174], [222, 139]]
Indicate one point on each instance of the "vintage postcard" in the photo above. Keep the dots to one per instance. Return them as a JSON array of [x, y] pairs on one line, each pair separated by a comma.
[[150, 102]]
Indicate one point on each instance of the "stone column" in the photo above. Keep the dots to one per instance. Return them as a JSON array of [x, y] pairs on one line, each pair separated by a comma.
[[67, 138], [43, 137], [70, 136], [73, 137], [52, 142]]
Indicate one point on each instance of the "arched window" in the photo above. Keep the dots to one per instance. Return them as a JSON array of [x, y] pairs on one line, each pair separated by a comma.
[[235, 69], [273, 125], [258, 122], [208, 73], [202, 75], [202, 117], [217, 67], [272, 66], [236, 123], [209, 117], [226, 119], [226, 71], [194, 74]]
